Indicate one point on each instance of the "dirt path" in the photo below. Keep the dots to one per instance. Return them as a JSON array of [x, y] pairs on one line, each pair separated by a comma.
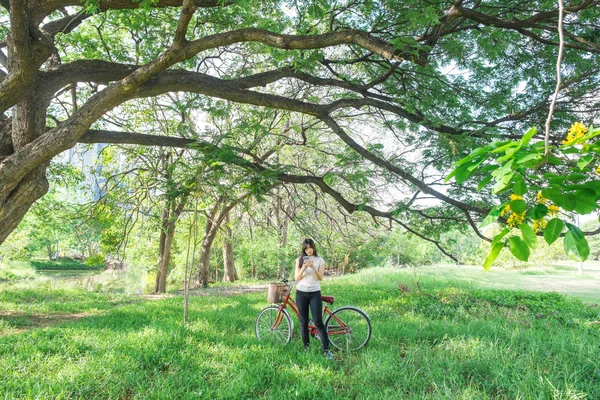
[[27, 322], [212, 291], [20, 322]]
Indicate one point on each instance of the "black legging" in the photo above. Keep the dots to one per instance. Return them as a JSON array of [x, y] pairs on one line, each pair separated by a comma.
[[303, 300]]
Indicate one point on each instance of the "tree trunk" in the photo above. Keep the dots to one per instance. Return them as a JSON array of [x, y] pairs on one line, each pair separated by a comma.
[[213, 222], [205, 258], [345, 263], [17, 197], [169, 220], [252, 263], [229, 272], [27, 50], [282, 230], [160, 284]]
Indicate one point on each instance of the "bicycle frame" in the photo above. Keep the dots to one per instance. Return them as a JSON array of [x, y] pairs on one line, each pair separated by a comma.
[[312, 329]]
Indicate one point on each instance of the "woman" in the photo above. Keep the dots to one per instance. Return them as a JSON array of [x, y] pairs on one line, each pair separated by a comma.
[[309, 273]]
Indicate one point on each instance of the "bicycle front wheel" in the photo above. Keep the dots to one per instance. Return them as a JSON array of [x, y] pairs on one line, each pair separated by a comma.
[[349, 328], [273, 326]]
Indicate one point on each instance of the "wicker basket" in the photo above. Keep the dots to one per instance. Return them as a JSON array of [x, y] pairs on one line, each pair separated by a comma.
[[277, 292]]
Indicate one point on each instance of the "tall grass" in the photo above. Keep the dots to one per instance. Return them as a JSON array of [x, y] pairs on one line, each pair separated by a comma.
[[435, 339]]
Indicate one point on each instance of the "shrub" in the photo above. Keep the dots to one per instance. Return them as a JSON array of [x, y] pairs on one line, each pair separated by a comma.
[[96, 261]]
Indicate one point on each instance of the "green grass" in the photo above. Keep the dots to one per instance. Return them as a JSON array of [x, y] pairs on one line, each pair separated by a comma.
[[438, 339], [560, 277]]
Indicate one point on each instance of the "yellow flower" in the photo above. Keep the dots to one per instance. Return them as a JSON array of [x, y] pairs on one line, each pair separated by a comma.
[[539, 224], [515, 219], [553, 210], [576, 131], [516, 197], [598, 169], [505, 210], [541, 199]]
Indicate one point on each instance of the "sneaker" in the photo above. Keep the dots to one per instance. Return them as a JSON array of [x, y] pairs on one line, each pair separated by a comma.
[[329, 355]]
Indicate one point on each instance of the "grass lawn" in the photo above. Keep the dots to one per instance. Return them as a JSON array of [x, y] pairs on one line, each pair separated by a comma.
[[438, 339], [561, 277]]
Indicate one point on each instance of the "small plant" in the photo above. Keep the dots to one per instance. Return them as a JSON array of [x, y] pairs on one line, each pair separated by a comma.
[[96, 260]]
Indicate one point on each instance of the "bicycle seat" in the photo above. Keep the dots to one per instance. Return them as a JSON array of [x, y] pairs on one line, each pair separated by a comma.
[[328, 299]]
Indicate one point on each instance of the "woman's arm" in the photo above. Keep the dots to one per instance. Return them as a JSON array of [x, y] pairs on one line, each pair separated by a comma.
[[300, 272], [320, 271]]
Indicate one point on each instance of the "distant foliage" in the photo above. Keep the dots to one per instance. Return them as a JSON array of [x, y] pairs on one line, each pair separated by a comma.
[[64, 264]]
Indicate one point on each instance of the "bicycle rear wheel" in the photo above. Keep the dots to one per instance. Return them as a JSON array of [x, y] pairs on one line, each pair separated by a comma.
[[274, 327], [349, 328]]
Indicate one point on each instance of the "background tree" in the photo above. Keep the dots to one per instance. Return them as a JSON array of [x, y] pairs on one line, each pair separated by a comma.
[[403, 88]]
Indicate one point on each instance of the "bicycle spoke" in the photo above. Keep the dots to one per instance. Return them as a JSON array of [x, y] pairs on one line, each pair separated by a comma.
[[348, 329], [273, 327]]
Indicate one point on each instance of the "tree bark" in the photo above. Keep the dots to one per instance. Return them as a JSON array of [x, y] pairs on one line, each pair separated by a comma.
[[213, 223], [229, 271], [170, 216], [252, 263], [282, 231]]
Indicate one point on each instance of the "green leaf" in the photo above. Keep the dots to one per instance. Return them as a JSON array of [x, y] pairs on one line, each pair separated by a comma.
[[569, 202], [590, 134], [555, 195], [499, 236], [504, 170], [492, 216], [555, 160], [539, 212], [520, 187], [484, 182], [576, 177], [585, 201], [330, 178], [506, 147], [509, 153], [527, 136], [553, 230], [489, 260], [518, 247], [576, 248], [518, 206], [585, 160], [529, 157], [575, 230], [556, 181], [501, 186], [462, 173], [475, 153], [529, 235]]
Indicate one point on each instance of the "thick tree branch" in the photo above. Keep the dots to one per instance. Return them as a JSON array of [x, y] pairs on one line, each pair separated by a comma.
[[113, 137], [65, 24], [534, 22], [28, 49], [50, 5]]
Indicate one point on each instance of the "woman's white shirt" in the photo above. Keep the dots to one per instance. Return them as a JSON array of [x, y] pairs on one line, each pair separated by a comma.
[[310, 283]]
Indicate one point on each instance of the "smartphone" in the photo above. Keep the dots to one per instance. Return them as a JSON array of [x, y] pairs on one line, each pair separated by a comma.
[[305, 258]]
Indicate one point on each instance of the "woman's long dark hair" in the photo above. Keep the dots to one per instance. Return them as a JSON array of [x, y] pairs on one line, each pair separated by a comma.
[[307, 243]]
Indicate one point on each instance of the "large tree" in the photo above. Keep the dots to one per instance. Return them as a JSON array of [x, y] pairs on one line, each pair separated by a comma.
[[385, 93]]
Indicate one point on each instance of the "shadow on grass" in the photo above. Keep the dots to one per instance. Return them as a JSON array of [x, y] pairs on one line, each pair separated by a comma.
[[422, 345]]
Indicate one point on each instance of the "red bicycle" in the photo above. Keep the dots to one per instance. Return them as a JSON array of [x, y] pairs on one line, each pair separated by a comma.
[[348, 327]]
